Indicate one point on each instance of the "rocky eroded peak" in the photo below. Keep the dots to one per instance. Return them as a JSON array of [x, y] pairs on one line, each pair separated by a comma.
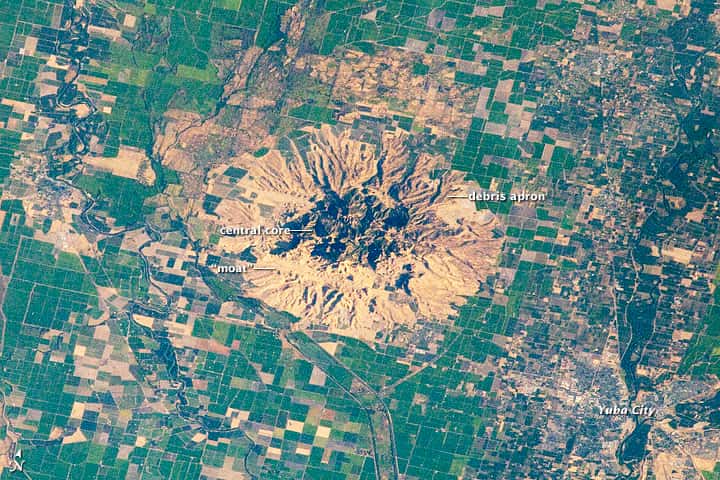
[[374, 242]]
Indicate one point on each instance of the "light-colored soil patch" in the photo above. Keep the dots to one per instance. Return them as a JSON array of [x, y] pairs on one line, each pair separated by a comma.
[[129, 163]]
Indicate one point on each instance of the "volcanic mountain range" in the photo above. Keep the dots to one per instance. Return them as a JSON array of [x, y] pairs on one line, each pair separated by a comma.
[[375, 240]]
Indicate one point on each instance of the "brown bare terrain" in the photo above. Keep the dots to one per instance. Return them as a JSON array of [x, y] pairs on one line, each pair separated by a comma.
[[429, 261]]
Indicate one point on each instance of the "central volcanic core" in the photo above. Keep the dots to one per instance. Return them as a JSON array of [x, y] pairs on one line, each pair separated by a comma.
[[357, 225], [375, 241]]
